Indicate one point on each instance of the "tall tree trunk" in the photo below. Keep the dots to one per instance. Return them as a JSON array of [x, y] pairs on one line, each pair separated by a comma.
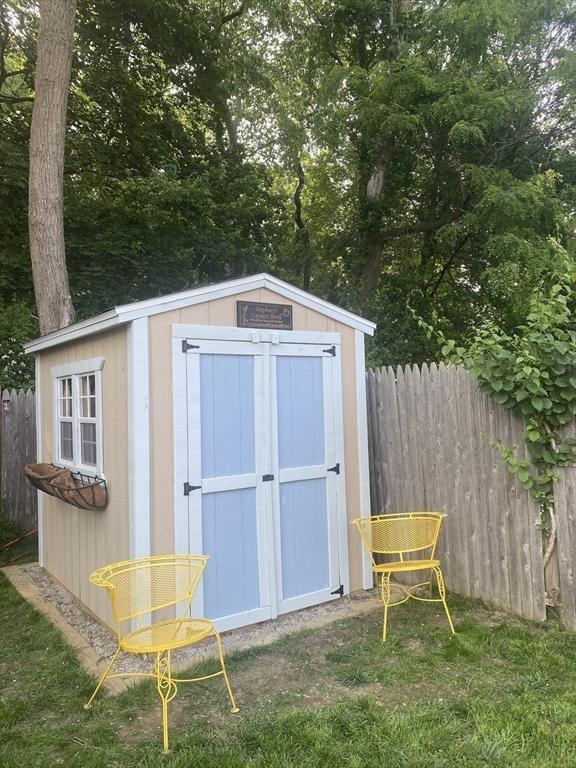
[[303, 236], [376, 186], [46, 182], [374, 191]]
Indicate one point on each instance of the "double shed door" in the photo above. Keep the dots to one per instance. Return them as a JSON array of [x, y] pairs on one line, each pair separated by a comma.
[[265, 488]]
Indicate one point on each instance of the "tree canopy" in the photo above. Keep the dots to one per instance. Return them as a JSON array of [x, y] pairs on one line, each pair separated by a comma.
[[378, 153]]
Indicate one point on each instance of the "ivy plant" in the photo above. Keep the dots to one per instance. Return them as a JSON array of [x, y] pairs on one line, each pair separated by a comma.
[[531, 371]]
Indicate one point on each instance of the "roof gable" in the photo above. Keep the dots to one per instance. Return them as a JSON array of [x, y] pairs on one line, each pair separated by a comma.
[[125, 313]]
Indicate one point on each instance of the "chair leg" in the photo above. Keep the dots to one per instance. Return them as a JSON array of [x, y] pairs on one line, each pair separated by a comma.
[[442, 592], [385, 594], [234, 709], [166, 688], [103, 677]]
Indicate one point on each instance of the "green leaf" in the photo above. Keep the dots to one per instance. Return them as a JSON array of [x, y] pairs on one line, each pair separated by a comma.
[[537, 403]]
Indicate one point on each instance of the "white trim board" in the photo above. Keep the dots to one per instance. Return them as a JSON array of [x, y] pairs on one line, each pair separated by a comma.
[[139, 438], [81, 366], [126, 313], [363, 463], [39, 457]]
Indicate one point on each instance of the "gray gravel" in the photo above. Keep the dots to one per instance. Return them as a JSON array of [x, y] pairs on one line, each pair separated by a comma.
[[102, 640]]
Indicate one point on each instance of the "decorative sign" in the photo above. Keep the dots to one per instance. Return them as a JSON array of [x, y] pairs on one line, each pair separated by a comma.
[[255, 314]]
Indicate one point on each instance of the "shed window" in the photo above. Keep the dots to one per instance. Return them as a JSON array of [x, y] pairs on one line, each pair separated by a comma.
[[78, 412]]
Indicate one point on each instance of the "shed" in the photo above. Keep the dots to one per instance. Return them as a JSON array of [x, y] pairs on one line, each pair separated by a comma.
[[228, 420]]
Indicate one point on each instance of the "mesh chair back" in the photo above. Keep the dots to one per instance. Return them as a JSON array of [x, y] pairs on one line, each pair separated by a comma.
[[400, 534], [148, 584]]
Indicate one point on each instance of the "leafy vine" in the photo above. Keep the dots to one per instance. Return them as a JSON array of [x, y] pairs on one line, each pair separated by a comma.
[[531, 371]]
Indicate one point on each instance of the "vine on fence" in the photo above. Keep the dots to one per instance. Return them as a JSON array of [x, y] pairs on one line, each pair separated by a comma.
[[531, 371]]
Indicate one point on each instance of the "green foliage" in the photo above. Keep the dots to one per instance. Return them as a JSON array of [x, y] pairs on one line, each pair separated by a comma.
[[17, 325], [532, 371], [188, 122]]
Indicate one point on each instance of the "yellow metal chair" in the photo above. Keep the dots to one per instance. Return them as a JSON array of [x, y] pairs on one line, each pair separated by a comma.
[[143, 592], [399, 535]]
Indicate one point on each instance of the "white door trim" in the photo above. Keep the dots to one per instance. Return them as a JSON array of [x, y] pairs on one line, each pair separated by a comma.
[[187, 525], [255, 336]]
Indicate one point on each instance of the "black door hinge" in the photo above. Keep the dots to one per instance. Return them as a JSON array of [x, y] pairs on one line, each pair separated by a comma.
[[267, 478], [330, 351], [335, 468], [186, 346], [339, 591], [188, 488]]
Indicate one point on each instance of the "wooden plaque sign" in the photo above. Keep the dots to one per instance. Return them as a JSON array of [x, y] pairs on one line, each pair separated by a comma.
[[255, 314]]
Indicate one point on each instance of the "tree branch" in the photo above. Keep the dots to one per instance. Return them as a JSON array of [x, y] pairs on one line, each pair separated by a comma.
[[225, 18], [439, 277], [16, 99]]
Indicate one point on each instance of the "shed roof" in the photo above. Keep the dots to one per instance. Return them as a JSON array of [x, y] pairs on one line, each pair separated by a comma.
[[125, 313]]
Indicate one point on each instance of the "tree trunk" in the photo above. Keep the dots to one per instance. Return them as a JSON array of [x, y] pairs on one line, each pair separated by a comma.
[[46, 183], [374, 191], [376, 187], [303, 236]]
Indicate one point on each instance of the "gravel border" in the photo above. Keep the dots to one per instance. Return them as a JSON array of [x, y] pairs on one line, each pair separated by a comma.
[[103, 641]]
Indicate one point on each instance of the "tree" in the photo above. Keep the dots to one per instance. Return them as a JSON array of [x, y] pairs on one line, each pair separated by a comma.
[[369, 150], [46, 177]]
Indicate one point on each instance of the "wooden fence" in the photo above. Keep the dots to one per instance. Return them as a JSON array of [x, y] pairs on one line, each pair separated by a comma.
[[429, 432], [17, 448], [429, 441]]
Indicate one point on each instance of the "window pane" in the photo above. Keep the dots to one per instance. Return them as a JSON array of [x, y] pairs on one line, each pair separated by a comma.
[[88, 443], [66, 442], [88, 385], [66, 387], [65, 404], [88, 396]]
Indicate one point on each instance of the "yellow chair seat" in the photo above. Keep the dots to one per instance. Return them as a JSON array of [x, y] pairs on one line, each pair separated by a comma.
[[405, 565], [166, 635]]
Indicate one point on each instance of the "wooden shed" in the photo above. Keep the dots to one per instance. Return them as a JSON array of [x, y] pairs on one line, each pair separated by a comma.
[[228, 420]]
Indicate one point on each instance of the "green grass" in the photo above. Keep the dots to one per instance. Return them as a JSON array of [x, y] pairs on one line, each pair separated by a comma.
[[23, 551], [501, 693]]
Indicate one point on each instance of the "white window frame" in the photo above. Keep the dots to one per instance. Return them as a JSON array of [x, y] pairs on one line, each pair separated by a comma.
[[75, 371]]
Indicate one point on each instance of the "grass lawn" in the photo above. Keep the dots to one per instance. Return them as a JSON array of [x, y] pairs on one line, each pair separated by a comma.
[[501, 693], [22, 548]]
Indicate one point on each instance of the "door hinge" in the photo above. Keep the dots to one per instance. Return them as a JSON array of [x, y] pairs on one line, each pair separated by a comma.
[[339, 591], [335, 468], [188, 488], [186, 346], [267, 478], [330, 351]]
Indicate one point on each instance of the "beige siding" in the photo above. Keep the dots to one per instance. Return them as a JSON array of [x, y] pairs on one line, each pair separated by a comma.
[[223, 312], [78, 541]]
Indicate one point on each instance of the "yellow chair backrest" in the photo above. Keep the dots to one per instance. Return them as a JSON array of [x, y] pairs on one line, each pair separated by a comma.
[[400, 534], [148, 584]]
